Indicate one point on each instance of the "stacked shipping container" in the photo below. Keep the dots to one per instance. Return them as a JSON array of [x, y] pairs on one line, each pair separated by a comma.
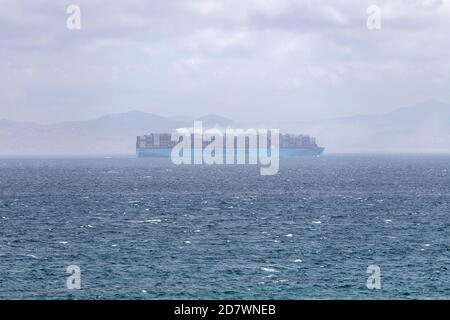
[[163, 140]]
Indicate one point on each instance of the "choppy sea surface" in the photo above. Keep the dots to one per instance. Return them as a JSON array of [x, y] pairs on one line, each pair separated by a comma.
[[147, 229]]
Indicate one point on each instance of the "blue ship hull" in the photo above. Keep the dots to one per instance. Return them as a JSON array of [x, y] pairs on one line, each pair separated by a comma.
[[284, 152]]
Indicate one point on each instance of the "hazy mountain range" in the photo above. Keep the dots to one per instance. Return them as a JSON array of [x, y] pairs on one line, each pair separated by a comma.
[[110, 134], [421, 128]]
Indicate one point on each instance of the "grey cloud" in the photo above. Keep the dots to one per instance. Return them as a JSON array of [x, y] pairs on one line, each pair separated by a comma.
[[259, 60]]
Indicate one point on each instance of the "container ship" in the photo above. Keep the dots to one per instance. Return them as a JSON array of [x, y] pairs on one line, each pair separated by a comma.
[[156, 145]]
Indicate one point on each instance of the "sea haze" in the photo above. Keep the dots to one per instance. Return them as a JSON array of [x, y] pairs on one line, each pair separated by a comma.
[[421, 128], [144, 228]]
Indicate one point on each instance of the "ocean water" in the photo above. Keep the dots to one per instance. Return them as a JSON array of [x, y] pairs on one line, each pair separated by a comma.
[[146, 229]]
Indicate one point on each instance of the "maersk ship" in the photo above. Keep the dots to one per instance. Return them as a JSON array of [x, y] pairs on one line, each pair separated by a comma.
[[158, 145]]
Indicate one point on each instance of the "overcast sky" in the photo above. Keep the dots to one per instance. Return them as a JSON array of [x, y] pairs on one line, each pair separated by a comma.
[[249, 60]]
